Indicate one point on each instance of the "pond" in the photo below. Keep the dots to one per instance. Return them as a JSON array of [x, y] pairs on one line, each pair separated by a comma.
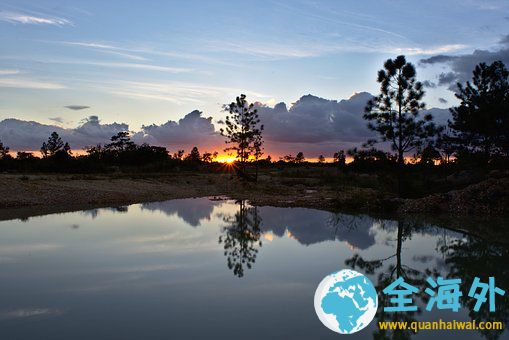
[[220, 269]]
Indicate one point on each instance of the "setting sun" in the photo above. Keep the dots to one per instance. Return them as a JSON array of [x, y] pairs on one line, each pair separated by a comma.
[[226, 159]]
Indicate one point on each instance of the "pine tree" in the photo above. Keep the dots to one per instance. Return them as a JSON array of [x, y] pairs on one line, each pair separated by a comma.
[[340, 158], [394, 113], [300, 158], [194, 155], [243, 130], [4, 151], [481, 122], [54, 145]]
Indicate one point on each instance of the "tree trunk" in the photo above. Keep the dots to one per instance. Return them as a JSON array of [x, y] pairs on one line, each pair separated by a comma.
[[399, 266]]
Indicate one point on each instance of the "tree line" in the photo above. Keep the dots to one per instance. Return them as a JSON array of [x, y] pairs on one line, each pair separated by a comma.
[[476, 135]]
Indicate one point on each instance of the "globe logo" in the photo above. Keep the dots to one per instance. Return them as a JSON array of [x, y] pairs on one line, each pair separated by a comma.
[[346, 301]]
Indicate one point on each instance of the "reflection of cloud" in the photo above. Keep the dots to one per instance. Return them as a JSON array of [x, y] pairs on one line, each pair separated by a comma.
[[95, 212], [192, 211], [23, 313], [310, 226], [27, 248], [422, 258]]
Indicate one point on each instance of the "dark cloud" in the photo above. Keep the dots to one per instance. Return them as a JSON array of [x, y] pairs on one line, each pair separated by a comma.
[[448, 78], [461, 66], [505, 40], [192, 130], [29, 135], [57, 119], [312, 124], [429, 84], [77, 107], [442, 100], [317, 124]]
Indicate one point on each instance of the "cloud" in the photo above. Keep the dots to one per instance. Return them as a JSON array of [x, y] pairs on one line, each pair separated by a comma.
[[29, 135], [312, 124], [137, 66], [105, 49], [30, 84], [429, 84], [430, 50], [24, 18], [77, 107], [461, 66], [192, 130], [447, 78], [316, 124], [176, 92], [133, 52], [4, 72]]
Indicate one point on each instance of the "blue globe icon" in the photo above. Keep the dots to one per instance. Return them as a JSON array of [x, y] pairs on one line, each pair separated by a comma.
[[346, 301]]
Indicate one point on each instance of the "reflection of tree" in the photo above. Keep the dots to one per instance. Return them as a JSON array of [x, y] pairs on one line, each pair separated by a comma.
[[386, 275], [470, 257], [241, 238]]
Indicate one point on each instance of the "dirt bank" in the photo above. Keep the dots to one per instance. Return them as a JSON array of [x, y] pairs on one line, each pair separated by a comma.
[[30, 195], [490, 197]]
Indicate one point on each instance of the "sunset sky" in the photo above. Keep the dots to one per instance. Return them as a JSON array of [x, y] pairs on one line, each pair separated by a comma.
[[147, 62]]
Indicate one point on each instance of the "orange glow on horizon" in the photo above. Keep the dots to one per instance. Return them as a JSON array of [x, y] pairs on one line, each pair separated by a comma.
[[226, 159]]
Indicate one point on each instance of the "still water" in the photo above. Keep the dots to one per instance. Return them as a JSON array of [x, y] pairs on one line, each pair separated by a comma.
[[219, 269]]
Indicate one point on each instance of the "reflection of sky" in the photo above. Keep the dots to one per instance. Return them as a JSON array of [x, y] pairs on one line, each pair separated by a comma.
[[157, 271]]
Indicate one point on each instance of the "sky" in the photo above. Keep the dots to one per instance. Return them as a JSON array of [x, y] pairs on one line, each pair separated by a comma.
[[153, 63]]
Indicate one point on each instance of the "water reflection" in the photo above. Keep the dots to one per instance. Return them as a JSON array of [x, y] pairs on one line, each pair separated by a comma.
[[152, 270], [241, 238], [470, 257]]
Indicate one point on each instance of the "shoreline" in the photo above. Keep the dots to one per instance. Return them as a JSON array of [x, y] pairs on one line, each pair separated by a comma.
[[23, 196]]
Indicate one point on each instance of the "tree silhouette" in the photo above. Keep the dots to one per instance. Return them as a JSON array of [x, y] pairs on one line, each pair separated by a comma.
[[481, 122], [54, 145], [288, 159], [299, 159], [471, 257], [206, 157], [4, 151], [429, 155], [22, 155], [178, 155], [394, 113], [194, 155], [340, 158], [241, 238], [446, 144], [243, 130], [386, 275], [120, 142], [321, 159]]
